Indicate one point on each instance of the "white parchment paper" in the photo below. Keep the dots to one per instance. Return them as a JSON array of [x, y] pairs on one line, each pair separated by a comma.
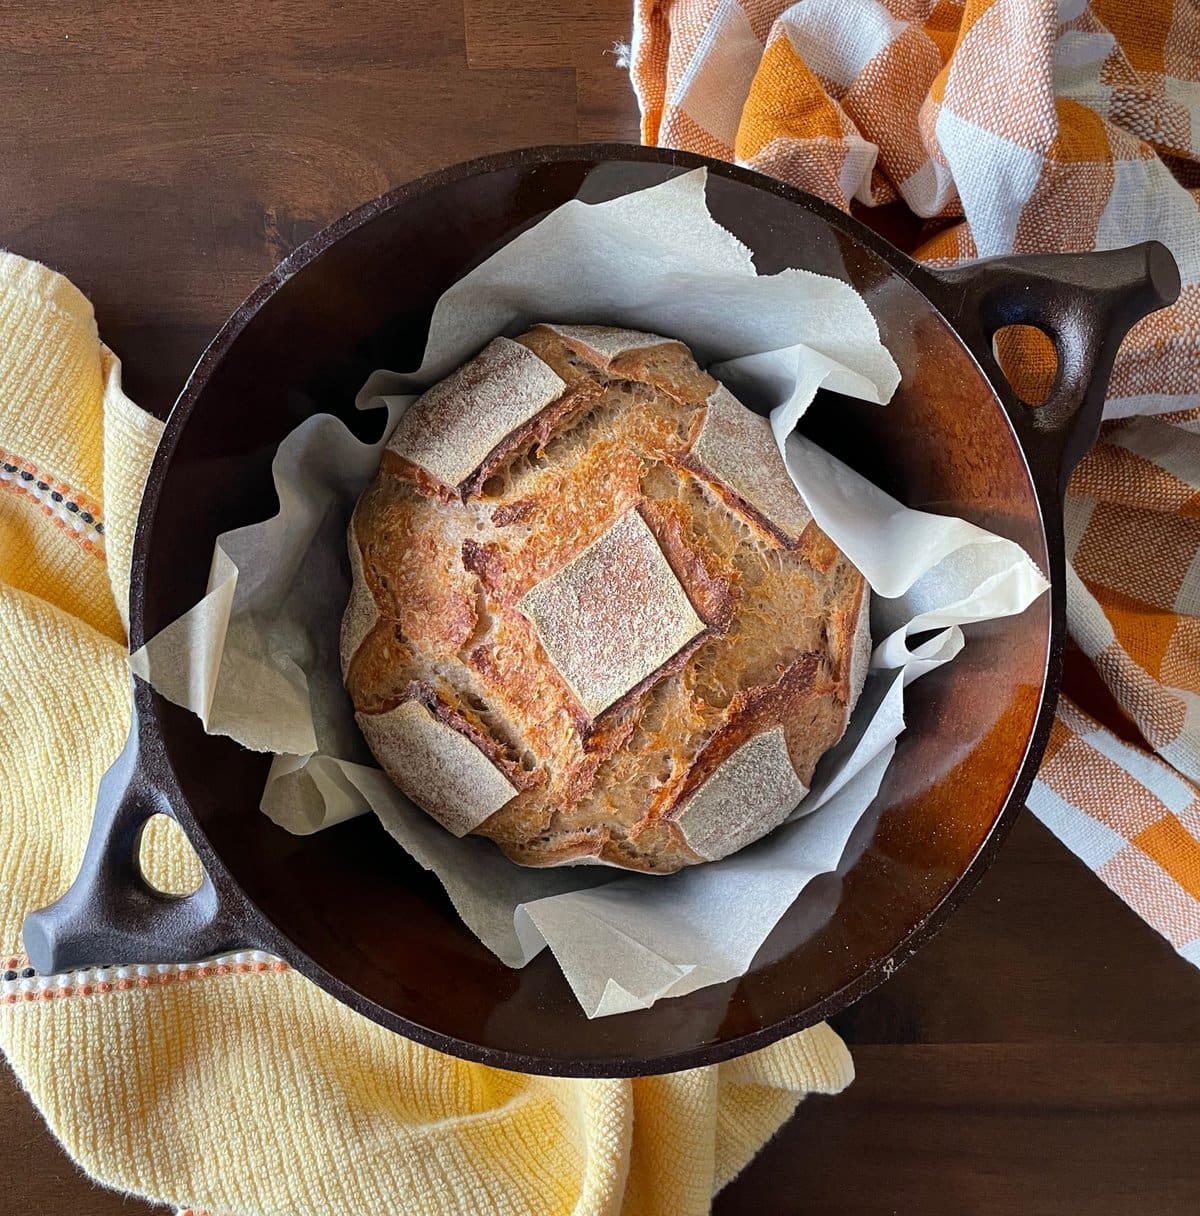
[[257, 658]]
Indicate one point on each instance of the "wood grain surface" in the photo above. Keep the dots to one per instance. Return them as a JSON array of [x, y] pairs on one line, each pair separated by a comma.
[[1041, 1055]]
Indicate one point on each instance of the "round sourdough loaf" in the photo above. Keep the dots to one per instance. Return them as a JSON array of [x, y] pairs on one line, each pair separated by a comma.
[[591, 617]]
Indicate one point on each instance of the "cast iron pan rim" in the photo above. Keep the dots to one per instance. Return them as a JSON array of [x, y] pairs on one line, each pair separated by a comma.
[[268, 935]]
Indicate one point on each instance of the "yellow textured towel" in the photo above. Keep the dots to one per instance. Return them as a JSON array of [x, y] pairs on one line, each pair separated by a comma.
[[245, 1089]]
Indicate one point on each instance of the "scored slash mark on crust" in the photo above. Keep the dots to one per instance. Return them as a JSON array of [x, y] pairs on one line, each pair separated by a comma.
[[751, 792], [607, 344], [451, 429], [456, 783], [614, 615], [362, 612], [738, 448]]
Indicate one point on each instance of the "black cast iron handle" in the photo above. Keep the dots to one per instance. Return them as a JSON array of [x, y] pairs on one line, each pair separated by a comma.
[[111, 914], [1086, 304]]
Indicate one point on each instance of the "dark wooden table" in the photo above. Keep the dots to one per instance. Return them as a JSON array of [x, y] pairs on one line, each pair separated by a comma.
[[1042, 1054]]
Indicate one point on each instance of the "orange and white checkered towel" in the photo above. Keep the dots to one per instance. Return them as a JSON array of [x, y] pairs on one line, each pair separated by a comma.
[[1001, 126]]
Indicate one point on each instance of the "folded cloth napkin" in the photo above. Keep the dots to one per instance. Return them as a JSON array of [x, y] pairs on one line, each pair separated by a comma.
[[239, 1087], [1002, 126]]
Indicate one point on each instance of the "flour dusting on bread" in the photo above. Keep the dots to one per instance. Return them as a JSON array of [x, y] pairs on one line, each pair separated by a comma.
[[437, 766], [614, 615], [603, 344], [752, 791], [737, 448], [449, 430], [362, 612]]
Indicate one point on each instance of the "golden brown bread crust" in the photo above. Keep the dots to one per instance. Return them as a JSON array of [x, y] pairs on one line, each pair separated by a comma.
[[478, 588]]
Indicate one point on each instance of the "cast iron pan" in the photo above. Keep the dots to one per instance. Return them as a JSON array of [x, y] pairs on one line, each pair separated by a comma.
[[348, 908]]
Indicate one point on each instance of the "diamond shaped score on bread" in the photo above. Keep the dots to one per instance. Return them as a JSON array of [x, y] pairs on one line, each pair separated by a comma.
[[591, 617], [613, 616]]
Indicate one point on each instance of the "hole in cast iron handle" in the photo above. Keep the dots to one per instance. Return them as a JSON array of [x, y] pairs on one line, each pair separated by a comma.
[[1086, 303], [110, 914]]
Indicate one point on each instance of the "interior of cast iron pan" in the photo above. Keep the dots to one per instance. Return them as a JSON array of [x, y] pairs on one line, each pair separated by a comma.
[[352, 904]]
